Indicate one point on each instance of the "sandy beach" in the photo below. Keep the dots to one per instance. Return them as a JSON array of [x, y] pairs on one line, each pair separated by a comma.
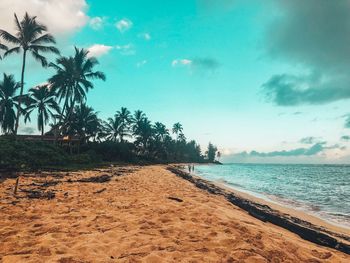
[[137, 214]]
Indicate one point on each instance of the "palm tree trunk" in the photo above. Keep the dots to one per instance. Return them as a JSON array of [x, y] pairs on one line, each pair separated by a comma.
[[61, 117], [41, 116], [21, 93], [42, 129], [64, 108]]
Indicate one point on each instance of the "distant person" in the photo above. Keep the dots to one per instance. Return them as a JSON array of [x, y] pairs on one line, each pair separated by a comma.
[[189, 168], [192, 168]]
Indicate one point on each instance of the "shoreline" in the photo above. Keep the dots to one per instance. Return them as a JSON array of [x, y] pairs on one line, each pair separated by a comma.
[[304, 215], [307, 226], [314, 219], [283, 205]]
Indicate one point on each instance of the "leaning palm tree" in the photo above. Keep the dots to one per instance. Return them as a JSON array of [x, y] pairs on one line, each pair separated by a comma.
[[43, 100], [2, 47], [177, 129], [73, 77], [8, 102], [30, 37]]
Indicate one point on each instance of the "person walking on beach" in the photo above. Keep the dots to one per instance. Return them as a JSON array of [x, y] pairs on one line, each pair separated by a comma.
[[192, 168], [189, 168]]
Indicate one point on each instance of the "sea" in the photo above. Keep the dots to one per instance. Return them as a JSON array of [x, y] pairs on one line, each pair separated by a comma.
[[319, 190]]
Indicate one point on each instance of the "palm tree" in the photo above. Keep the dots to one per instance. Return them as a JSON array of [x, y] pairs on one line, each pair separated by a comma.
[[182, 137], [73, 77], [177, 129], [2, 47], [63, 81], [30, 37], [124, 117], [114, 129], [138, 116], [42, 99], [160, 131], [83, 122], [8, 102], [143, 133]]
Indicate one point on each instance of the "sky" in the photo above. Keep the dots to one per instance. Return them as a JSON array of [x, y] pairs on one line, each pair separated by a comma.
[[265, 81]]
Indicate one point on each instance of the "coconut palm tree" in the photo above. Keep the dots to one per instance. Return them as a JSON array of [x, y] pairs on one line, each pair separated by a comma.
[[114, 129], [182, 137], [124, 117], [8, 102], [73, 77], [160, 131], [30, 37], [43, 100], [63, 81], [138, 116], [143, 134], [83, 122], [177, 129], [2, 47]]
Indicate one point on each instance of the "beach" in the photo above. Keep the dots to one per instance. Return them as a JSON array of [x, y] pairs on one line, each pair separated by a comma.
[[137, 214]]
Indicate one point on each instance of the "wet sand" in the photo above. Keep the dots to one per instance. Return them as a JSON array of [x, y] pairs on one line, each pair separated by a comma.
[[143, 214]]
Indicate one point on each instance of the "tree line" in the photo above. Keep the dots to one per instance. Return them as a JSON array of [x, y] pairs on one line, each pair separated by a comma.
[[60, 103]]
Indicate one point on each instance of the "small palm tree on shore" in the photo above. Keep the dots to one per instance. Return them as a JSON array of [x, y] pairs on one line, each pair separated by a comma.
[[114, 129], [125, 118], [84, 123], [43, 100], [30, 37]]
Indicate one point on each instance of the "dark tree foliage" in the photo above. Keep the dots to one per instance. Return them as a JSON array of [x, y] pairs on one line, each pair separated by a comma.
[[60, 107], [211, 152]]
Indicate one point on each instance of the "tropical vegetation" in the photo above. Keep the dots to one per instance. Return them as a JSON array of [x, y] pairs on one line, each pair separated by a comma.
[[59, 107]]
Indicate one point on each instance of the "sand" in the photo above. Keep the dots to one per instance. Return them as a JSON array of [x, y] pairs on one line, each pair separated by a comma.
[[132, 219]]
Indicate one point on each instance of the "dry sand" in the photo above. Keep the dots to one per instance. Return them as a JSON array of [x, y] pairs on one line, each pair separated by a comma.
[[132, 219]]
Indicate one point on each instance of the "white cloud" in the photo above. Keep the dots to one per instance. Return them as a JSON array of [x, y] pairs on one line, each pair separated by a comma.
[[141, 63], [98, 50], [126, 50], [181, 62], [64, 16], [96, 23], [123, 25], [145, 36]]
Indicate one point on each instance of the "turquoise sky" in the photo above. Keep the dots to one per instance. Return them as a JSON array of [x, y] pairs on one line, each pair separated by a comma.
[[245, 75]]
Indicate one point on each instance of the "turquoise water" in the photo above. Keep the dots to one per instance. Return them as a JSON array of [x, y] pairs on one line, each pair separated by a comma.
[[321, 190]]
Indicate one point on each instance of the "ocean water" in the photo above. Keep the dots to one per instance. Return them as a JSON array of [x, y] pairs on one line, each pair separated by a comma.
[[321, 190]]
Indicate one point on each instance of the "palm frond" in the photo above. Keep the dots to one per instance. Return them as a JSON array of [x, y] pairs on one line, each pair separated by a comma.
[[46, 38], [45, 49], [40, 58], [3, 47], [9, 37], [12, 50], [96, 75]]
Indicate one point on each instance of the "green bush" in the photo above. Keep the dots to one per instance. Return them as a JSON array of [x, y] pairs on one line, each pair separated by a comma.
[[17, 154], [111, 151]]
